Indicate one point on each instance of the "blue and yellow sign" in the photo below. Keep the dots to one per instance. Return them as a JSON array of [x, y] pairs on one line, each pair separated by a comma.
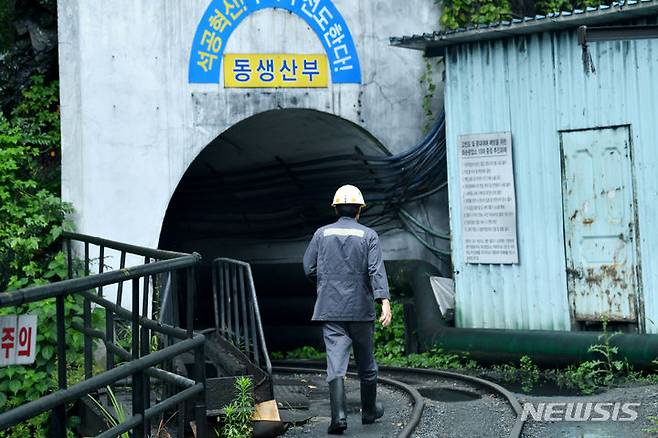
[[223, 16], [284, 71]]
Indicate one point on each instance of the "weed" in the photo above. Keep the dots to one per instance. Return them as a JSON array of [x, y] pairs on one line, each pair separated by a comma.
[[238, 413], [528, 374], [609, 366], [119, 416]]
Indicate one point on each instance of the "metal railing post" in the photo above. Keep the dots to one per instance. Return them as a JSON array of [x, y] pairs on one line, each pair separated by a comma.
[[145, 347], [191, 291], [200, 405], [109, 335], [138, 377], [215, 296], [243, 307], [60, 411]]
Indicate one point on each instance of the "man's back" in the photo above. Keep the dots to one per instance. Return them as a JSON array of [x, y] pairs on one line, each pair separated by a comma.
[[346, 261]]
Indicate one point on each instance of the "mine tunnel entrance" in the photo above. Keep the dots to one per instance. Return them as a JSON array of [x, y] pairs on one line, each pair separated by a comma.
[[256, 193]]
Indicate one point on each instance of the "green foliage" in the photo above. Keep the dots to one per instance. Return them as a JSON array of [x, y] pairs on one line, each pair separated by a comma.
[[119, 415], [435, 358], [610, 367], [591, 375], [305, 352], [389, 341], [20, 384], [548, 6], [527, 373], [654, 427], [31, 213], [462, 13], [238, 413], [31, 221]]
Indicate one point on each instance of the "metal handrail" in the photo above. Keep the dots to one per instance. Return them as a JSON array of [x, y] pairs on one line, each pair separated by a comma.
[[237, 315], [179, 269], [35, 407], [66, 287], [120, 246]]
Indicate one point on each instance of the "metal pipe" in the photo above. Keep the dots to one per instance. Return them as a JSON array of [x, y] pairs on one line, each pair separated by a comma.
[[67, 287], [544, 347], [60, 411], [127, 314], [138, 376], [119, 246]]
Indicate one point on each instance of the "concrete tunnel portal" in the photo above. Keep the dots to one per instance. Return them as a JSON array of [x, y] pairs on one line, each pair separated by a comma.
[[256, 193]]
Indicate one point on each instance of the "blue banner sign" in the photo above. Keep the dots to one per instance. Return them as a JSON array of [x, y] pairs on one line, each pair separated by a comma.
[[223, 16]]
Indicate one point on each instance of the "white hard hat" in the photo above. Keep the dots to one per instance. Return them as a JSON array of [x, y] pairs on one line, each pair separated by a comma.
[[348, 194]]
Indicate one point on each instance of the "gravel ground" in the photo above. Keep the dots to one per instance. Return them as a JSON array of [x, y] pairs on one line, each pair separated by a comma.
[[452, 409], [397, 407], [457, 409], [646, 395]]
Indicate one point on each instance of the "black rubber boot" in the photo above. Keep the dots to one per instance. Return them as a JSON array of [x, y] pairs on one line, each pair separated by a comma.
[[338, 404], [370, 409]]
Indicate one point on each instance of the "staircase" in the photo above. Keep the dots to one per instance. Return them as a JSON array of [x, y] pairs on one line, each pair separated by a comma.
[[236, 346]]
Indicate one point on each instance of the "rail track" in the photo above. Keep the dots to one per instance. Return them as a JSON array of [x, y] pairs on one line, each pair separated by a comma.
[[399, 378]]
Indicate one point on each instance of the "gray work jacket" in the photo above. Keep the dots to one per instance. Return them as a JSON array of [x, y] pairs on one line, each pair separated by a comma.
[[345, 260]]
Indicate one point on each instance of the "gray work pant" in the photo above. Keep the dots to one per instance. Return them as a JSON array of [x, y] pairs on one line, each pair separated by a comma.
[[339, 336]]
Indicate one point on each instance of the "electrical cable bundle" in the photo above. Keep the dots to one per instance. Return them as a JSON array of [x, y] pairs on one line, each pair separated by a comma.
[[288, 200]]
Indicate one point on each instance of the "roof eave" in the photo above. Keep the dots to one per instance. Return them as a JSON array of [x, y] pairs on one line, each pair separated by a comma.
[[434, 44]]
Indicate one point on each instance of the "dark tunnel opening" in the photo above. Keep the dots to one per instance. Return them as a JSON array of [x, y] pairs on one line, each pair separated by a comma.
[[256, 193]]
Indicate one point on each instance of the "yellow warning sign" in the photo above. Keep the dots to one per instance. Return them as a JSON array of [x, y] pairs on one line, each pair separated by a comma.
[[275, 71]]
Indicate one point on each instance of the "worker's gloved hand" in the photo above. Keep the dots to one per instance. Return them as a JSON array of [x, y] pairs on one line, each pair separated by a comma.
[[386, 315]]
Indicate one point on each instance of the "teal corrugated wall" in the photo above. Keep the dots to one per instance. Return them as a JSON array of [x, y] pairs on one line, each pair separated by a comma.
[[535, 86]]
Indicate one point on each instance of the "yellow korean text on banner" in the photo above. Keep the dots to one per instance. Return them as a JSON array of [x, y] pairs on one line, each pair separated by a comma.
[[275, 71]]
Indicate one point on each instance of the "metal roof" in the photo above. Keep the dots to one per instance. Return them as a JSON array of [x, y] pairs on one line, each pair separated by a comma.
[[434, 42]]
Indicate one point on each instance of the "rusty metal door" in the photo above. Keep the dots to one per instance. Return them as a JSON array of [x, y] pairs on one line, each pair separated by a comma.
[[599, 224]]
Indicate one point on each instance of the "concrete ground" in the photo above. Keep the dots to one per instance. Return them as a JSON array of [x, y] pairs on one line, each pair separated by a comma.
[[452, 409], [646, 395], [397, 405]]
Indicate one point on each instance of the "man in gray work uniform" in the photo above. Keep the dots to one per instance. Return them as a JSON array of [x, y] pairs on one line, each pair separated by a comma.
[[344, 259]]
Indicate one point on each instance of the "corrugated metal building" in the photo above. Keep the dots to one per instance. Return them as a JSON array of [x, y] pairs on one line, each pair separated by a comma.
[[585, 154]]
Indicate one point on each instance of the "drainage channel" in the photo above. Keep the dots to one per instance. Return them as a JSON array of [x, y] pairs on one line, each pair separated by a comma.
[[446, 403]]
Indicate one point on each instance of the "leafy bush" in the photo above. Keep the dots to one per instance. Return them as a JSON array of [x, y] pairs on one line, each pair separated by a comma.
[[462, 13], [31, 221], [31, 213]]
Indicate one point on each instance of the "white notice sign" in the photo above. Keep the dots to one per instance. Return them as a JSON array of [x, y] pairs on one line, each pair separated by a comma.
[[488, 202], [18, 339]]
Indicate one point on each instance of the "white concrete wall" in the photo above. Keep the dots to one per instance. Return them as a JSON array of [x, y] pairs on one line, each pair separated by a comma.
[[131, 122]]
